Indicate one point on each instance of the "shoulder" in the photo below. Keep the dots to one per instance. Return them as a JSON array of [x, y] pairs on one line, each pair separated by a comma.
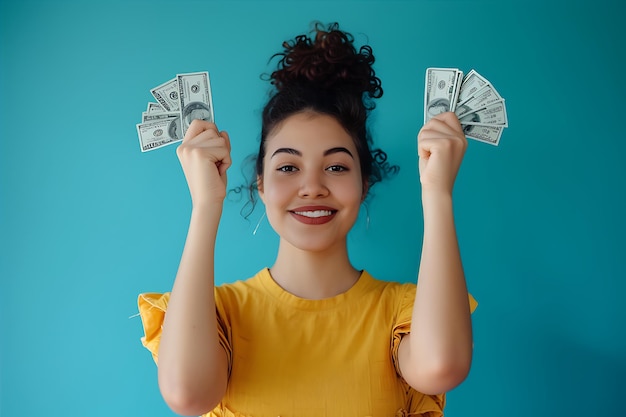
[[405, 292], [389, 288], [241, 291], [394, 297]]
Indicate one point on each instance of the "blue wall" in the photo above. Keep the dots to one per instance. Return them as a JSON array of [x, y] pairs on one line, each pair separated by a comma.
[[87, 221]]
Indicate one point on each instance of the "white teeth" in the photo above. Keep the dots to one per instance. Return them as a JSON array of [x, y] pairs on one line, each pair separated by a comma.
[[316, 213]]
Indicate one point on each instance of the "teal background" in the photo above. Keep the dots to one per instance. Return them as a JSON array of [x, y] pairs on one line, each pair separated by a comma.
[[87, 221]]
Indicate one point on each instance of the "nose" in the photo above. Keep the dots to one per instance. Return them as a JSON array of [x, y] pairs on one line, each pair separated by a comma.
[[313, 186]]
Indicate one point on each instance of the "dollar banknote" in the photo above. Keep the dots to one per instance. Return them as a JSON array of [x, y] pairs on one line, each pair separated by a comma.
[[167, 95], [442, 89], [154, 108], [194, 93], [471, 82], [491, 114], [179, 101], [479, 100], [157, 133], [478, 105], [485, 134]]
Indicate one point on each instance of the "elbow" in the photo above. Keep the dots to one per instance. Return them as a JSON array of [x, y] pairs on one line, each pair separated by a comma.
[[438, 378], [186, 405], [187, 400]]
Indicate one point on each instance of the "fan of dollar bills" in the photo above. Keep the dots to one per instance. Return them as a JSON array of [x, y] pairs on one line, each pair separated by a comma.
[[179, 101], [475, 101]]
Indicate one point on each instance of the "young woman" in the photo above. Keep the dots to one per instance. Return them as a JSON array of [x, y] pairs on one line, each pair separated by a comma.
[[313, 335]]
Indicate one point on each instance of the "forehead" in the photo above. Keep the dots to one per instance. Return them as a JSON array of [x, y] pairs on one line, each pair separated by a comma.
[[309, 132]]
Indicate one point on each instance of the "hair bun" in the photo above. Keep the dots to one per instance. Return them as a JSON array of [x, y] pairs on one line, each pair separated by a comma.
[[327, 60]]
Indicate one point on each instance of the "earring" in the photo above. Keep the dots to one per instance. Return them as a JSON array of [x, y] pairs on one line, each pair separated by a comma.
[[258, 224]]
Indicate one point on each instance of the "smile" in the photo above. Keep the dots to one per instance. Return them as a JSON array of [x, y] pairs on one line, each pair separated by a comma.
[[313, 214]]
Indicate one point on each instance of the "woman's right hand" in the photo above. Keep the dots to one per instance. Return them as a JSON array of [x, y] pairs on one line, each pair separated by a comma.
[[205, 156]]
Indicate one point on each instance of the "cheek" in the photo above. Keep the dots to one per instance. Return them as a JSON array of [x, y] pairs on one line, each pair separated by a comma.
[[274, 190], [276, 199], [351, 195], [357, 199], [358, 189]]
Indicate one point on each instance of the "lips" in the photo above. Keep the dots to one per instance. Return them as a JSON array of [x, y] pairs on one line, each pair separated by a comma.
[[314, 215]]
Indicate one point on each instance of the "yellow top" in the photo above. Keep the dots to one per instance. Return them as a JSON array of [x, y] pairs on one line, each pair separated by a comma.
[[293, 357]]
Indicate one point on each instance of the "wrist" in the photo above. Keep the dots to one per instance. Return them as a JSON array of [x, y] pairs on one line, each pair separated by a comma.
[[436, 195], [208, 211], [436, 201]]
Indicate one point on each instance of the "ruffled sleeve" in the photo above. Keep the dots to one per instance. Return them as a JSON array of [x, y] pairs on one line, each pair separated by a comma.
[[224, 329], [152, 307], [404, 316], [427, 405]]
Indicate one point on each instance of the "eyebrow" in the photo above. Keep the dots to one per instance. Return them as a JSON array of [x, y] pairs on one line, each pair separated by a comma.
[[336, 150], [327, 152]]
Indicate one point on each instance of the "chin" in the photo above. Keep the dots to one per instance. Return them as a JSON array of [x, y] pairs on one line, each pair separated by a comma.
[[315, 244]]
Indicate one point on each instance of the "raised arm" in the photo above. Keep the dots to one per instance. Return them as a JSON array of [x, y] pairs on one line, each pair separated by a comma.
[[436, 356], [192, 363]]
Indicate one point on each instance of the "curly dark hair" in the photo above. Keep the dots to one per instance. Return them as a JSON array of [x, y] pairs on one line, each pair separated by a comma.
[[325, 74], [330, 62]]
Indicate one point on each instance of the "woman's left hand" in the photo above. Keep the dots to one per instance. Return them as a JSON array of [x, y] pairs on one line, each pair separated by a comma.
[[441, 145]]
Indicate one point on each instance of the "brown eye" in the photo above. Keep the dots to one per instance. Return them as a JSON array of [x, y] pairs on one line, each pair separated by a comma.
[[287, 168], [337, 168]]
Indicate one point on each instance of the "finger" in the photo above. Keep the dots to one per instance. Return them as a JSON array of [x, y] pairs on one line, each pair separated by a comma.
[[224, 134], [216, 146], [224, 164], [447, 125], [434, 135], [205, 145], [222, 159], [209, 138], [426, 135], [199, 126], [205, 139], [442, 126], [220, 155], [448, 117], [430, 141]]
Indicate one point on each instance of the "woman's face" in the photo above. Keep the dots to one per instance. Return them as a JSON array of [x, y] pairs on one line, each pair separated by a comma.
[[312, 186]]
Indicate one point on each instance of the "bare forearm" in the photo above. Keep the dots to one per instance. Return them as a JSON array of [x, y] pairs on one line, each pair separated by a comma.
[[441, 335], [192, 364]]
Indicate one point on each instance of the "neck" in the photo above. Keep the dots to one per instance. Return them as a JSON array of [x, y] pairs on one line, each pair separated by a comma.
[[314, 275]]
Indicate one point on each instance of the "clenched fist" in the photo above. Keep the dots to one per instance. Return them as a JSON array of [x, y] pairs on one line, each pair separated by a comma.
[[205, 156], [441, 145]]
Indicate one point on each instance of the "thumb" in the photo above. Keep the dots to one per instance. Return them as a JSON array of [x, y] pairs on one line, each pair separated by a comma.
[[224, 134]]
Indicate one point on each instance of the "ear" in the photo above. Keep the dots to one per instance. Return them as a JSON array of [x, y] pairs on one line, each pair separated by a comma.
[[259, 187]]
